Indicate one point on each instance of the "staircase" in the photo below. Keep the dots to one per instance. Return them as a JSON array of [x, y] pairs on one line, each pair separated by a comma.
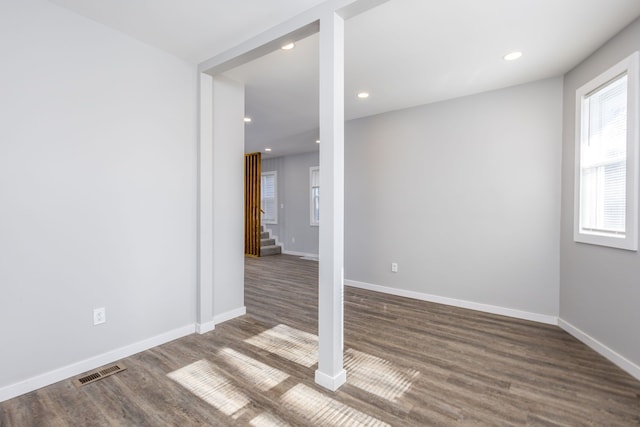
[[267, 244]]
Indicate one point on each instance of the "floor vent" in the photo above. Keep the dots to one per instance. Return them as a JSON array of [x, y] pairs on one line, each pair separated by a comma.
[[98, 374]]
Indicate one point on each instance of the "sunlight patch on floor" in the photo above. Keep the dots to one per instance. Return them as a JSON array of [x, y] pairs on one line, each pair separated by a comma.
[[256, 373], [216, 384], [292, 344], [205, 381], [377, 376], [321, 410], [267, 420]]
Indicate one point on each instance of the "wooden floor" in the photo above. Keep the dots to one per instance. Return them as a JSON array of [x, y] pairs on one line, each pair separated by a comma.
[[409, 363]]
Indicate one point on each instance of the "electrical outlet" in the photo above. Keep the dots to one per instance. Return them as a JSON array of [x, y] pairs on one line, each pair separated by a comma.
[[99, 316], [394, 267]]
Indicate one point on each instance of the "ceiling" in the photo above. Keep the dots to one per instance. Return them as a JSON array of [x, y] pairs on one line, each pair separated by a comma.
[[194, 30], [404, 52]]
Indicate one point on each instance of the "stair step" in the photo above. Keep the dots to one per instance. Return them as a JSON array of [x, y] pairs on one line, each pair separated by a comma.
[[267, 242], [264, 235], [270, 250]]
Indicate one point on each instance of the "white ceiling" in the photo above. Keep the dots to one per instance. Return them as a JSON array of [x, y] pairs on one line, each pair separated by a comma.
[[195, 30], [404, 52]]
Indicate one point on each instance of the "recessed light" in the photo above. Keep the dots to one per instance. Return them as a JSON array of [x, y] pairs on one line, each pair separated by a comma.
[[247, 119], [317, 141], [512, 56], [267, 149], [288, 46], [363, 95]]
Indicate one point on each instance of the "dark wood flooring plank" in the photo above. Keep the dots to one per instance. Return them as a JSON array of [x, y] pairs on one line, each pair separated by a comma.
[[72, 405]]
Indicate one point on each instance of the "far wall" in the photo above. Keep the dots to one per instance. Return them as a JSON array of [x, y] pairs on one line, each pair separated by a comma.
[[293, 230], [464, 195]]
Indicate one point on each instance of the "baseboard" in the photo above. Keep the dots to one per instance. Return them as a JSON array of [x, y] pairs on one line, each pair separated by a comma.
[[621, 361], [232, 314], [288, 252], [329, 382], [48, 378], [203, 328], [487, 308]]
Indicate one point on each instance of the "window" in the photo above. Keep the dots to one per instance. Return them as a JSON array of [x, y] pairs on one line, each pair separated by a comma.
[[606, 199], [314, 181], [269, 197]]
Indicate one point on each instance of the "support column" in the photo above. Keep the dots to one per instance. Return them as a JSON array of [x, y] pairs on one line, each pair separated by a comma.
[[228, 199], [331, 373], [204, 322], [221, 202]]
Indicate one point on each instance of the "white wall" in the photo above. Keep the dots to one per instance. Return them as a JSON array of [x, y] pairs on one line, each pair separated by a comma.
[[293, 229], [464, 195], [97, 190], [600, 287]]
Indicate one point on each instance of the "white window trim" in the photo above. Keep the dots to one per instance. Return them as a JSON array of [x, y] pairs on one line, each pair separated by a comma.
[[312, 221], [629, 240], [275, 175]]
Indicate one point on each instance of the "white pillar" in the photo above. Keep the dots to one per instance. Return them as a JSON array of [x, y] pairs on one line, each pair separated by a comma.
[[221, 202], [331, 373], [228, 199], [204, 321]]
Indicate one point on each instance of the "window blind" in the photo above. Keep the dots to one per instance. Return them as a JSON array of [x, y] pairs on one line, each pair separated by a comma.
[[269, 202]]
